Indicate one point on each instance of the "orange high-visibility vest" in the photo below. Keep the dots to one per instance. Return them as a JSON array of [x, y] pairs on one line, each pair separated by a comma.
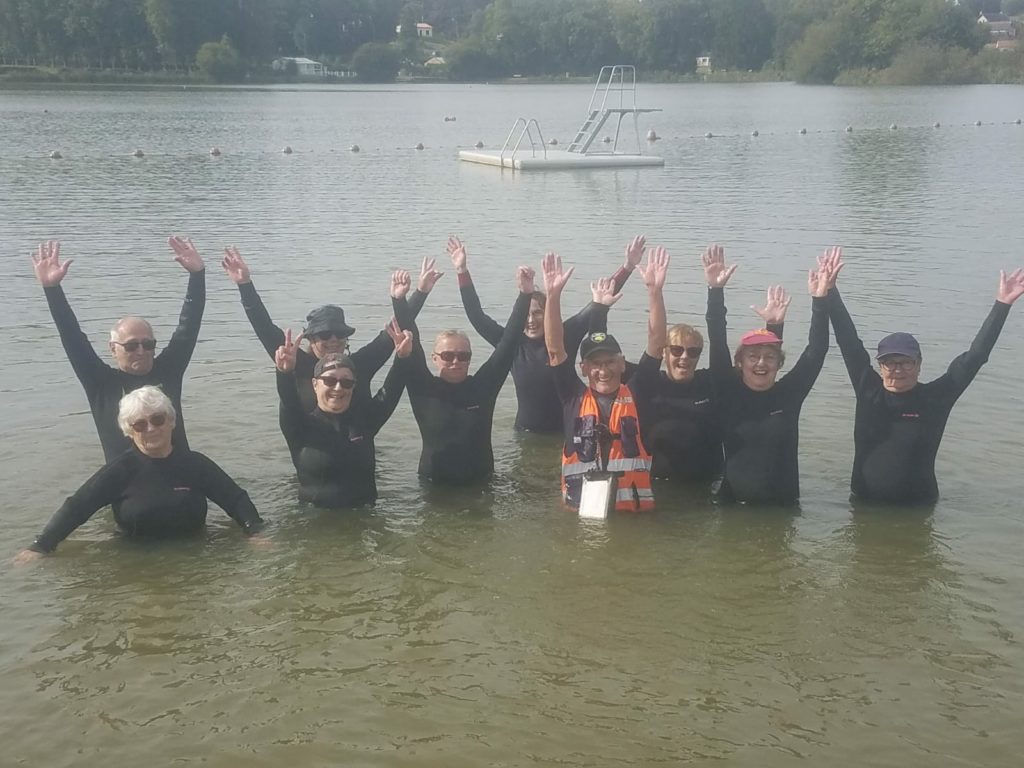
[[627, 456]]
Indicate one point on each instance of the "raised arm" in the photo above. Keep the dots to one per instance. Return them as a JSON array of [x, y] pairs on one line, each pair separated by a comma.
[[482, 323], [855, 355], [555, 279], [183, 340], [371, 358], [269, 334], [654, 274], [594, 316], [717, 275], [50, 271], [965, 367], [805, 372], [495, 369], [386, 400], [429, 276], [774, 310], [292, 415]]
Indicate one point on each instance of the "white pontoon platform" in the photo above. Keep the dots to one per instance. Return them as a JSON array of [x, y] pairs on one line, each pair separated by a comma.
[[585, 151]]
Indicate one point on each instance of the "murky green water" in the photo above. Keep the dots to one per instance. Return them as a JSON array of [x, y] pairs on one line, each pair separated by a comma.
[[470, 628]]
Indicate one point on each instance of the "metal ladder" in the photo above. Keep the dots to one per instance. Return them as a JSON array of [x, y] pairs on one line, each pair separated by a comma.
[[525, 132], [613, 79]]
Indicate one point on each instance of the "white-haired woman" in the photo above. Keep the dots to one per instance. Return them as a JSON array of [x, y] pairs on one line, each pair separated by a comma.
[[155, 489]]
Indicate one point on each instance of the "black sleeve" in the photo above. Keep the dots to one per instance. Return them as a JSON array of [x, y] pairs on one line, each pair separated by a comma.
[[183, 341], [855, 356], [292, 416], [494, 372], [418, 374], [720, 359], [966, 366], [803, 375], [83, 358], [405, 313], [227, 494], [592, 318], [386, 400], [415, 302], [776, 328], [567, 384], [371, 358], [269, 334], [643, 383], [100, 490], [482, 323]]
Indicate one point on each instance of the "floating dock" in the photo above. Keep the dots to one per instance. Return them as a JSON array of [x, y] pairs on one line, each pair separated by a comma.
[[529, 152]]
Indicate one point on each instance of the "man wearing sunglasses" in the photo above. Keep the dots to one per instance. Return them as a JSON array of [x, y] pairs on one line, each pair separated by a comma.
[[454, 409], [132, 345], [899, 420]]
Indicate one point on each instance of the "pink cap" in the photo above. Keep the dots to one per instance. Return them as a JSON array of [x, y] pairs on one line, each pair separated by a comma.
[[760, 336]]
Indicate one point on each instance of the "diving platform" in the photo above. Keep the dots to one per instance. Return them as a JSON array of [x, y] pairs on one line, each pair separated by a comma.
[[612, 103]]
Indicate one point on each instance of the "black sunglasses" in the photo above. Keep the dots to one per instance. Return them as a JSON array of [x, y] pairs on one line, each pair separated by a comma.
[[130, 346], [678, 351], [333, 381], [450, 357], [156, 420], [328, 335]]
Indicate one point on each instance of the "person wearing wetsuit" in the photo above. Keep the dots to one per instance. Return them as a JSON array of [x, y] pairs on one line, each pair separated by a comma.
[[600, 422], [332, 447], [538, 408], [899, 420], [454, 410], [760, 416], [157, 489], [132, 345], [677, 409], [326, 330]]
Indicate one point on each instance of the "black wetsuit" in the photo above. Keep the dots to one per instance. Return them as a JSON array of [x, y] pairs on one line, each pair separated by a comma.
[[334, 454], [455, 419], [897, 434], [105, 385], [760, 430], [153, 497], [367, 360], [679, 421], [538, 406]]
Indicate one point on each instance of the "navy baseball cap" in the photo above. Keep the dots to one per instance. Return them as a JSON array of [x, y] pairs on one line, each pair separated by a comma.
[[899, 344]]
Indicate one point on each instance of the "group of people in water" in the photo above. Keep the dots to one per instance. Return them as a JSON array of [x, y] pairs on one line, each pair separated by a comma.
[[733, 426]]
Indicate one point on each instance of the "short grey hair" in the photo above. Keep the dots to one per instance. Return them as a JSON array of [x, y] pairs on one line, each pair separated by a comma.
[[115, 332], [451, 333], [142, 403]]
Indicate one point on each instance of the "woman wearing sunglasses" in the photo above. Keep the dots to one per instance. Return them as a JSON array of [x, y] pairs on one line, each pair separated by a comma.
[[332, 445], [677, 405], [157, 489], [539, 409], [759, 413]]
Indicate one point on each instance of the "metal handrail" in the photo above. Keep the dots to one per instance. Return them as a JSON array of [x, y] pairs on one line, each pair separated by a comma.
[[522, 134]]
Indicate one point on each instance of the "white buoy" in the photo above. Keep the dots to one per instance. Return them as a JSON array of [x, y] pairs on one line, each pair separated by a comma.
[[55, 155], [480, 145], [607, 139], [977, 122], [215, 151], [709, 135], [138, 153], [286, 151], [354, 148], [755, 134], [937, 125], [1017, 121], [553, 142], [803, 131], [892, 127], [419, 146], [849, 129], [652, 135]]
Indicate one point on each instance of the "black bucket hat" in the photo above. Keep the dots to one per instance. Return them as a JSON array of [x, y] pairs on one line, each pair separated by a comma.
[[329, 317]]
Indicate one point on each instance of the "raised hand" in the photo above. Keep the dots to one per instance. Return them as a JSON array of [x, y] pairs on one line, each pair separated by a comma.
[[428, 275], [525, 278], [635, 252], [235, 266], [603, 291], [554, 277], [27, 556], [831, 263], [656, 269], [817, 282], [402, 339], [1011, 287], [47, 266], [457, 251], [186, 254], [774, 310], [401, 282], [284, 357], [715, 271]]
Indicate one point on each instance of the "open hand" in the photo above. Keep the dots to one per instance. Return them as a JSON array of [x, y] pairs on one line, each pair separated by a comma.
[[428, 275], [774, 310], [525, 278], [185, 253], [401, 282], [554, 277], [47, 266], [715, 271], [656, 269], [603, 291], [1011, 287], [284, 357], [235, 266], [635, 251], [831, 263], [457, 251]]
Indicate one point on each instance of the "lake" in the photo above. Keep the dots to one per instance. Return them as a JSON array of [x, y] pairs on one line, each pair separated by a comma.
[[492, 627]]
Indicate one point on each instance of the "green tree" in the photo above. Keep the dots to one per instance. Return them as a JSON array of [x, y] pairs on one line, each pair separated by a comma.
[[220, 62], [815, 59], [376, 62], [743, 34], [470, 59]]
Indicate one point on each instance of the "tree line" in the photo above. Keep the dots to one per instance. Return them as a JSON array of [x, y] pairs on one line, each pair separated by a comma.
[[819, 41]]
